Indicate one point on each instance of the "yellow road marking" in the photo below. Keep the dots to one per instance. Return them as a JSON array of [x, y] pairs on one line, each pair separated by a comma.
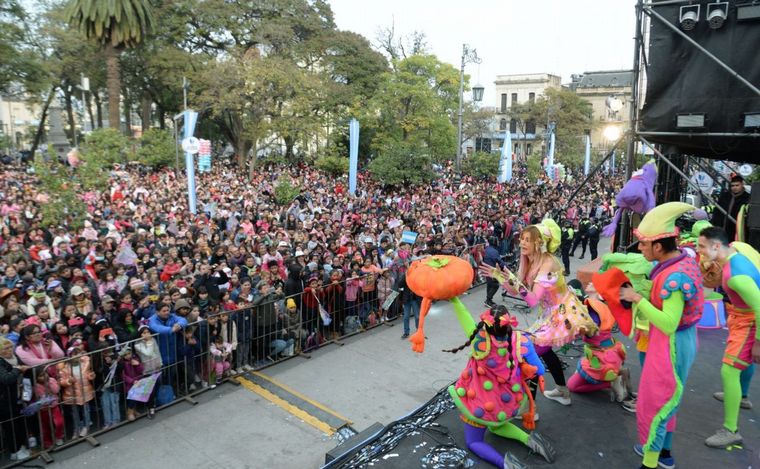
[[285, 405], [301, 396]]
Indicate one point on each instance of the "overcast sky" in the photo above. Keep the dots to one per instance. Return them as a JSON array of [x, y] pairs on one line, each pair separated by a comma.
[[511, 36]]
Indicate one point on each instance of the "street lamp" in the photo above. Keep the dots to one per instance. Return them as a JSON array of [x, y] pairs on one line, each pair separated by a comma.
[[468, 56]]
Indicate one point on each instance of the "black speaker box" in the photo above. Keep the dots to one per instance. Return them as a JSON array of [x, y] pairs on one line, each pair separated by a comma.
[[754, 197]]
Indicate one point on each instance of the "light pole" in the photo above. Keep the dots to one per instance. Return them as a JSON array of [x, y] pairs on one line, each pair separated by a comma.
[[468, 56]]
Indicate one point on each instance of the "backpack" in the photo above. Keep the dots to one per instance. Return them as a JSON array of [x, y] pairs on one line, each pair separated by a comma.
[[165, 395]]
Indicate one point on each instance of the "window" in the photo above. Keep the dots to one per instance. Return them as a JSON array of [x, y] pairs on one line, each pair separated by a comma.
[[531, 98], [530, 127], [504, 102], [530, 149], [513, 126], [514, 98], [503, 124]]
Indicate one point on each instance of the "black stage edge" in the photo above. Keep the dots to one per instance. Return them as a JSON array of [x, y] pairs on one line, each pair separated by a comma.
[[591, 433]]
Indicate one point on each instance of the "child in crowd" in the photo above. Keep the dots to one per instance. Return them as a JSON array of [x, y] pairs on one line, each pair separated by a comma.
[[221, 354], [51, 419], [384, 289], [150, 356], [132, 370], [111, 372], [76, 378]]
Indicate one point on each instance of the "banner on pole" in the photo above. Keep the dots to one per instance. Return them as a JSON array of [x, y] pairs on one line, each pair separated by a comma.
[[505, 162], [190, 118], [353, 156], [587, 159]]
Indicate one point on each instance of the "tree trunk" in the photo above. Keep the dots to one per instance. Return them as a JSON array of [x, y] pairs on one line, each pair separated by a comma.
[[99, 109], [88, 102], [252, 163], [289, 144], [113, 83], [70, 115], [41, 125], [128, 112], [145, 115], [161, 118]]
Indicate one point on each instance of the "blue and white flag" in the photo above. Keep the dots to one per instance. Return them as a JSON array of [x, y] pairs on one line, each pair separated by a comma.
[[505, 162]]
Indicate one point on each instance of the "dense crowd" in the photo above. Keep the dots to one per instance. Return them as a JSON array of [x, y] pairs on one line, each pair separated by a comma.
[[145, 284]]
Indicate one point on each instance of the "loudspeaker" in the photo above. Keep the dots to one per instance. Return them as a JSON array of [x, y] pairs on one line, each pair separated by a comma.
[[670, 184], [683, 81], [754, 196], [752, 219], [753, 238]]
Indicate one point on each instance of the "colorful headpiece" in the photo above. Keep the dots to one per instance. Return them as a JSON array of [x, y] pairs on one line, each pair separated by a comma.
[[505, 319], [551, 234], [660, 222]]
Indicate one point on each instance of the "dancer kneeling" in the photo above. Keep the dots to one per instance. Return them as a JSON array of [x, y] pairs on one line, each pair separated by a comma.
[[493, 388], [603, 356]]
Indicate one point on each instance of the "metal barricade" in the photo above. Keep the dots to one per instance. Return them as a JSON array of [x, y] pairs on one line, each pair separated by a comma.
[[74, 399]]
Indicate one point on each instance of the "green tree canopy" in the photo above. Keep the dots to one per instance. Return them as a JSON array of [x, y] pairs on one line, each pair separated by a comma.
[[402, 163], [482, 165], [415, 104]]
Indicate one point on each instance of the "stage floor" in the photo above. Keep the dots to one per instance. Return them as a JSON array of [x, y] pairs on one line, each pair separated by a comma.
[[594, 432]]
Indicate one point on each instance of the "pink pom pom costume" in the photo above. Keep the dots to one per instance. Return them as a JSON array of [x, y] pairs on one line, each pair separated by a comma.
[[493, 388]]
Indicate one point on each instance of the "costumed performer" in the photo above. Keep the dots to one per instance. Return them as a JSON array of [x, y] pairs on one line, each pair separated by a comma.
[[494, 387], [601, 366], [540, 281], [673, 309], [741, 283]]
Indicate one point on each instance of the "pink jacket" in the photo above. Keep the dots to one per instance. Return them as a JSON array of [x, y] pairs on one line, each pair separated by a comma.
[[38, 355], [77, 386], [53, 390], [352, 288]]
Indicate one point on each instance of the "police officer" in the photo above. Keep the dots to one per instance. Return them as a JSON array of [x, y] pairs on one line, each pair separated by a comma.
[[567, 241], [581, 237], [593, 238]]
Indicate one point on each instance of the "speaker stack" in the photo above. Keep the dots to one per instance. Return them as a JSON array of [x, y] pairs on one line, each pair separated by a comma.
[[753, 217]]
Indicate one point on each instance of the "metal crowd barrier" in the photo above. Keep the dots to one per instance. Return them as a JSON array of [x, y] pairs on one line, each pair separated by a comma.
[[75, 399]]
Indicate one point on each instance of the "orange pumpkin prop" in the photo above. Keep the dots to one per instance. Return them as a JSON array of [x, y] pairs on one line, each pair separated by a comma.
[[436, 278]]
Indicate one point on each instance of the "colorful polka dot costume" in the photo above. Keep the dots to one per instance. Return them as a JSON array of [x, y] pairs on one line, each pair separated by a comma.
[[680, 277], [492, 388]]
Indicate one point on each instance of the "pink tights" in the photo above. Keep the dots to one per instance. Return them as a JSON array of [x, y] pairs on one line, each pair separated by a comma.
[[579, 385]]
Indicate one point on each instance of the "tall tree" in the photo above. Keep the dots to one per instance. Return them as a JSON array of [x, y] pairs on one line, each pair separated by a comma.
[[416, 103], [573, 117], [116, 25]]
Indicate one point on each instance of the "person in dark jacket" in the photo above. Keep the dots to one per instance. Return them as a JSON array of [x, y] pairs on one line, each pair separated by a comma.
[[11, 423], [409, 301], [593, 238], [492, 258], [567, 240], [731, 201], [211, 280], [581, 237], [265, 317], [294, 283]]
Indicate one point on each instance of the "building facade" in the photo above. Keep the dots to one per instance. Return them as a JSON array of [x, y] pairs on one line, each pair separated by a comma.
[[520, 89], [610, 95], [18, 120]]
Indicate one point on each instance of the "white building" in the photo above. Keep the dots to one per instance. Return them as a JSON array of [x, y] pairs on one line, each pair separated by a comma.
[[520, 89]]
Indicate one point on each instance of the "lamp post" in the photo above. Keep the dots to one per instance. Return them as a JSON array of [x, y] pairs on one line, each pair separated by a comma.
[[468, 56]]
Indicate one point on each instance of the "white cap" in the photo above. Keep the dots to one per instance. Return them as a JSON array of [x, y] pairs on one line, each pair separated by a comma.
[[299, 253]]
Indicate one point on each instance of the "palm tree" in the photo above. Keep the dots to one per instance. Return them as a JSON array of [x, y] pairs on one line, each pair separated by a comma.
[[116, 25]]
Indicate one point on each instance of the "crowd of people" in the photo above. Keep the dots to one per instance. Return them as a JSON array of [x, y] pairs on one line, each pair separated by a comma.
[[141, 287]]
